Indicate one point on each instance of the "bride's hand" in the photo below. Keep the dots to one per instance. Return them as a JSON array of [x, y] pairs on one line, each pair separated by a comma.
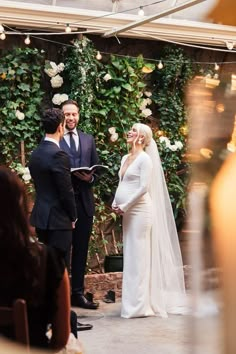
[[118, 211]]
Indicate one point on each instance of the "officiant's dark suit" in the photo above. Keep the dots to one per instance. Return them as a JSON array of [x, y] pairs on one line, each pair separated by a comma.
[[54, 211], [82, 152]]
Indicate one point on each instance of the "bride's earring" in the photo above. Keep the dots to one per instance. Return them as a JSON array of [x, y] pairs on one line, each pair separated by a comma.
[[139, 141]]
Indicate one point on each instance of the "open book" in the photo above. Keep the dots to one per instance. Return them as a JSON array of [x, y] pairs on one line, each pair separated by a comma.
[[95, 169]]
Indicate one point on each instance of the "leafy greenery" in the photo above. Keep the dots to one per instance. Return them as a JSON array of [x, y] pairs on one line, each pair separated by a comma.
[[168, 87], [112, 94], [20, 100]]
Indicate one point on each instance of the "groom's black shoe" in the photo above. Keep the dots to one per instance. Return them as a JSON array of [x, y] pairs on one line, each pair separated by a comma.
[[83, 326], [78, 300]]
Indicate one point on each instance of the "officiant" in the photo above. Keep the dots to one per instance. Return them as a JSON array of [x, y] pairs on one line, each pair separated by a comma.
[[81, 149]]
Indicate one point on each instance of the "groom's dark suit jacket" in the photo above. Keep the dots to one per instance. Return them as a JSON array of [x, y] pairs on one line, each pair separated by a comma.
[[87, 156], [54, 206]]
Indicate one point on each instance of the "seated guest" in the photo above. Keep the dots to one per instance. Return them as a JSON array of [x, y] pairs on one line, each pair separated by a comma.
[[31, 271]]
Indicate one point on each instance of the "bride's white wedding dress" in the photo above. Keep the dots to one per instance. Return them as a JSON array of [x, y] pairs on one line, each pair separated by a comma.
[[153, 282]]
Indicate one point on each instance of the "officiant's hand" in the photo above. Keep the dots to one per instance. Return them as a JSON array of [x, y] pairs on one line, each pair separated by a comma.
[[87, 177]]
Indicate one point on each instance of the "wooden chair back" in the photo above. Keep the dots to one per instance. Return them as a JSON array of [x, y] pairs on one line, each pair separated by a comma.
[[17, 317]]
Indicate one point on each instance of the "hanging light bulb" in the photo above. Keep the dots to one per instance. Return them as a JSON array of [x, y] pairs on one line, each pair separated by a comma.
[[140, 11], [160, 65], [27, 40], [68, 28], [1, 28], [217, 66], [2, 36], [98, 56]]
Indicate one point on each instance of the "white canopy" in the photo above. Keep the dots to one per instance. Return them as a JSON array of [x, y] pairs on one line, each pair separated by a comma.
[[162, 19]]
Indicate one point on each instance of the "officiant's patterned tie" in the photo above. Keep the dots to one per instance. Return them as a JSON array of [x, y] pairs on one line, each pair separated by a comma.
[[72, 144], [75, 161]]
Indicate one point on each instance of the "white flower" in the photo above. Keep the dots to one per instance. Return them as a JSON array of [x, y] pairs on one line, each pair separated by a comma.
[[64, 97], [84, 43], [146, 112], [26, 176], [107, 77], [56, 99], [61, 67], [172, 147], [50, 72], [56, 81], [147, 93], [20, 169], [51, 69], [178, 144], [112, 130], [148, 101], [20, 115], [164, 139], [53, 65], [143, 104], [114, 137]]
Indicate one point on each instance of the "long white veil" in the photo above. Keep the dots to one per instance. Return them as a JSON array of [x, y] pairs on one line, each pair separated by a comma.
[[167, 277]]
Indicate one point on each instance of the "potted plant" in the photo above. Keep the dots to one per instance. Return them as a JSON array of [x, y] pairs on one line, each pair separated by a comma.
[[114, 262]]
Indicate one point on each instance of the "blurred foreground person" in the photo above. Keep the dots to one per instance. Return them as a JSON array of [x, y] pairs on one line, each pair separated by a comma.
[[212, 147], [31, 271]]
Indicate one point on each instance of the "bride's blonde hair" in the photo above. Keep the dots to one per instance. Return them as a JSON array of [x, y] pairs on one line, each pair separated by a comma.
[[146, 131]]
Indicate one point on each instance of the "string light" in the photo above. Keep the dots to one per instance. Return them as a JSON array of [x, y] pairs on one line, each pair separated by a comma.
[[1, 28], [68, 28], [229, 44], [2, 36], [98, 56], [160, 65], [27, 40], [217, 66], [141, 11]]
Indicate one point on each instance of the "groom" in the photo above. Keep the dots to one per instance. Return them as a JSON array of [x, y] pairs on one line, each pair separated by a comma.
[[54, 211]]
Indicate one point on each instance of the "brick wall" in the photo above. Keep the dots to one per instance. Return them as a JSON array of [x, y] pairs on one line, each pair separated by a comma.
[[100, 284]]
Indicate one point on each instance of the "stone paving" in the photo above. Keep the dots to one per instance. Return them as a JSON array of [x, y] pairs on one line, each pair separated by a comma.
[[112, 334]]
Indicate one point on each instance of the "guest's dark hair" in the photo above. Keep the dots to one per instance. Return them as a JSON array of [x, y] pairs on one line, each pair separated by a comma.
[[70, 102], [51, 119], [19, 262]]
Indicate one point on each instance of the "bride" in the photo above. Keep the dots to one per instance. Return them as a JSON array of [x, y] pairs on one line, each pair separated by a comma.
[[153, 280]]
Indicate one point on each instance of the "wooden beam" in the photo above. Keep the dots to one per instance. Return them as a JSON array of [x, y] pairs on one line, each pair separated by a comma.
[[153, 17]]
